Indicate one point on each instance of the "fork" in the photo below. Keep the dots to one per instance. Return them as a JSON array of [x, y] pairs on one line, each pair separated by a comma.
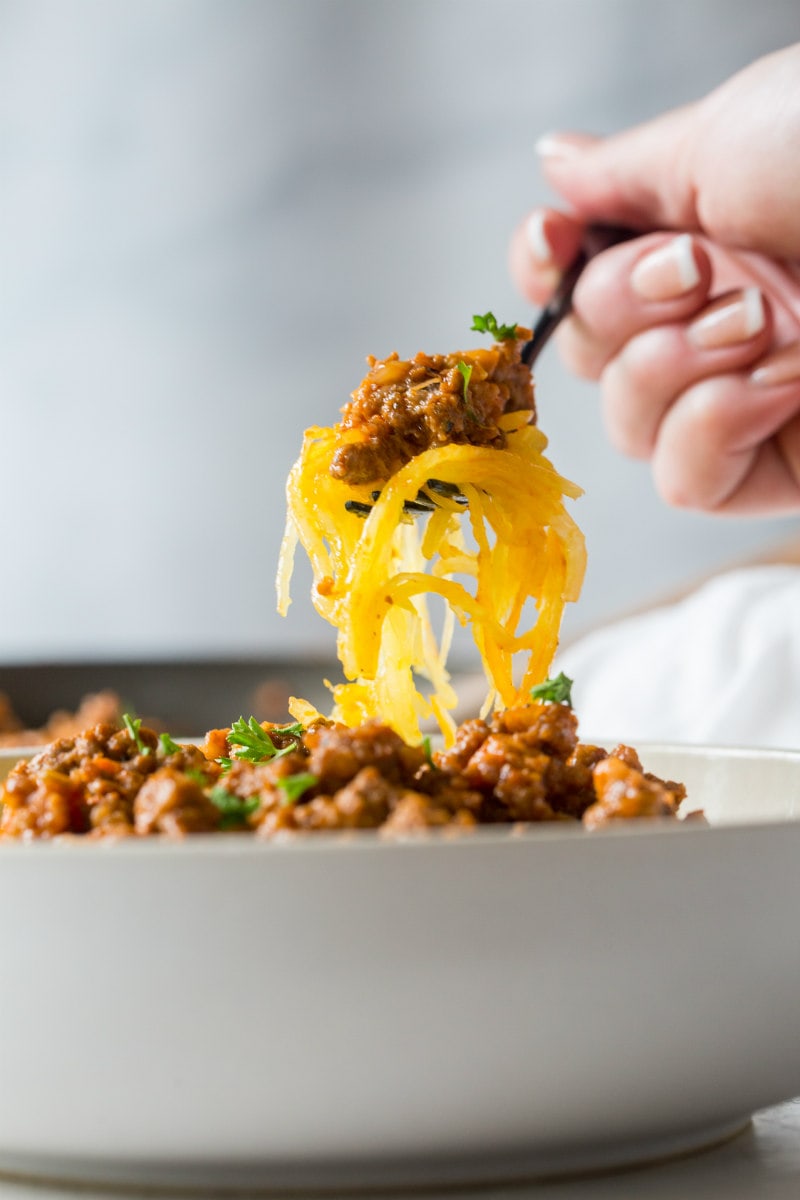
[[596, 239]]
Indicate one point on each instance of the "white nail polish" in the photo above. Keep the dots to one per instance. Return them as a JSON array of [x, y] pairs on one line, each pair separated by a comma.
[[729, 320], [668, 272], [685, 261], [548, 145], [561, 145], [754, 315], [537, 239]]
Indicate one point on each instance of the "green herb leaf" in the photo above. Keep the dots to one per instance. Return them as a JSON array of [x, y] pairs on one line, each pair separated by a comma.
[[167, 744], [133, 725], [488, 324], [293, 786], [466, 374], [426, 746], [255, 743], [234, 809], [554, 691], [196, 775]]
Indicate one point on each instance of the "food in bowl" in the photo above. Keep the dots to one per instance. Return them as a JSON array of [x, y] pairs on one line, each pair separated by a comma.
[[525, 764]]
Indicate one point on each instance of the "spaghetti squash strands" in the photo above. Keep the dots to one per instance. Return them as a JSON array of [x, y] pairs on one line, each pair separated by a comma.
[[373, 576]]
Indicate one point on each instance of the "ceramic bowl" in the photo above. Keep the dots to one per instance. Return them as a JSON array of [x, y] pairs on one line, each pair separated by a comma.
[[346, 1010]]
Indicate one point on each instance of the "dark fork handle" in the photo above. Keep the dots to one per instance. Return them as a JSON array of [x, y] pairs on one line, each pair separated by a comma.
[[596, 239]]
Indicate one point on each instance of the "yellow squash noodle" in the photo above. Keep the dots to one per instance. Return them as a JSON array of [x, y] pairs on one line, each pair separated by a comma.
[[372, 576]]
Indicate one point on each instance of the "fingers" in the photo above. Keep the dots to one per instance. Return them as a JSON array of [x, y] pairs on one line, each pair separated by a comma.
[[543, 246], [686, 374], [657, 366], [731, 443], [643, 177], [654, 280], [726, 165]]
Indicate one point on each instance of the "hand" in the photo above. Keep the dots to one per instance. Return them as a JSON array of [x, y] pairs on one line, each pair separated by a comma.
[[693, 328]]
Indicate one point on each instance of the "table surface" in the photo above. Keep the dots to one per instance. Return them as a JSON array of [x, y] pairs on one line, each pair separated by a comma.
[[761, 1163]]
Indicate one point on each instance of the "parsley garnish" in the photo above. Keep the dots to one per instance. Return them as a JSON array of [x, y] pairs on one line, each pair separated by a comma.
[[234, 810], [133, 725], [488, 324], [466, 374], [167, 744], [426, 746], [255, 743], [293, 786], [295, 729], [554, 691]]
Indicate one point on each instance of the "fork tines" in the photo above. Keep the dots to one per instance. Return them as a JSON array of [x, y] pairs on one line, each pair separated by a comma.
[[423, 503]]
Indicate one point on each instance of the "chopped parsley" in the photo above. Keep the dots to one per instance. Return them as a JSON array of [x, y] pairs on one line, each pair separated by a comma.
[[554, 691], [488, 324], [133, 725], [255, 744], [167, 744], [234, 810], [295, 729], [466, 374], [293, 786], [196, 775]]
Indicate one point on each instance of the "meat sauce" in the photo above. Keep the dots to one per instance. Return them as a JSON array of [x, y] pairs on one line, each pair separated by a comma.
[[523, 765], [404, 408]]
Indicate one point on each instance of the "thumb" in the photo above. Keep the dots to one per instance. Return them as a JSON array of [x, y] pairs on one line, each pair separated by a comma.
[[726, 166], [639, 178]]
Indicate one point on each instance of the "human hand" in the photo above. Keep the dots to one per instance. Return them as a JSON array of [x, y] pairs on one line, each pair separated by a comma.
[[693, 328]]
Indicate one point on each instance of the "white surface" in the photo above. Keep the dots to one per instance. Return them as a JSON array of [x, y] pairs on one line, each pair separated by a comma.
[[484, 1005], [212, 210], [720, 667]]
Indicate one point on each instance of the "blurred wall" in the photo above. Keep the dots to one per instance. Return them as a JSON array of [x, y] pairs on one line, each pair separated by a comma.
[[212, 210]]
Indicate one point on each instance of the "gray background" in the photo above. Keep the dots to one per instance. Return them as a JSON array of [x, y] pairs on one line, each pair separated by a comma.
[[212, 210]]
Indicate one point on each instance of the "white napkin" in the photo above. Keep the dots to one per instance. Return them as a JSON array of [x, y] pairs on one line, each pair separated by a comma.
[[720, 667]]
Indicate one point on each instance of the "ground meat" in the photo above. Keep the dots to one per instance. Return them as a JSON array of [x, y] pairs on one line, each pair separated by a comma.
[[89, 783], [570, 782], [172, 802], [524, 765], [624, 792], [41, 804], [337, 753], [414, 811], [525, 760], [404, 408], [363, 803], [551, 727], [469, 738]]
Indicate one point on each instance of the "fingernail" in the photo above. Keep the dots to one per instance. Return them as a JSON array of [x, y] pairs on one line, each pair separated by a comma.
[[668, 272], [561, 145], [782, 366], [538, 243], [729, 320]]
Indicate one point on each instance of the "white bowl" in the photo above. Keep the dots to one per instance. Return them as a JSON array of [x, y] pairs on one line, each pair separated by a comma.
[[346, 1010]]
